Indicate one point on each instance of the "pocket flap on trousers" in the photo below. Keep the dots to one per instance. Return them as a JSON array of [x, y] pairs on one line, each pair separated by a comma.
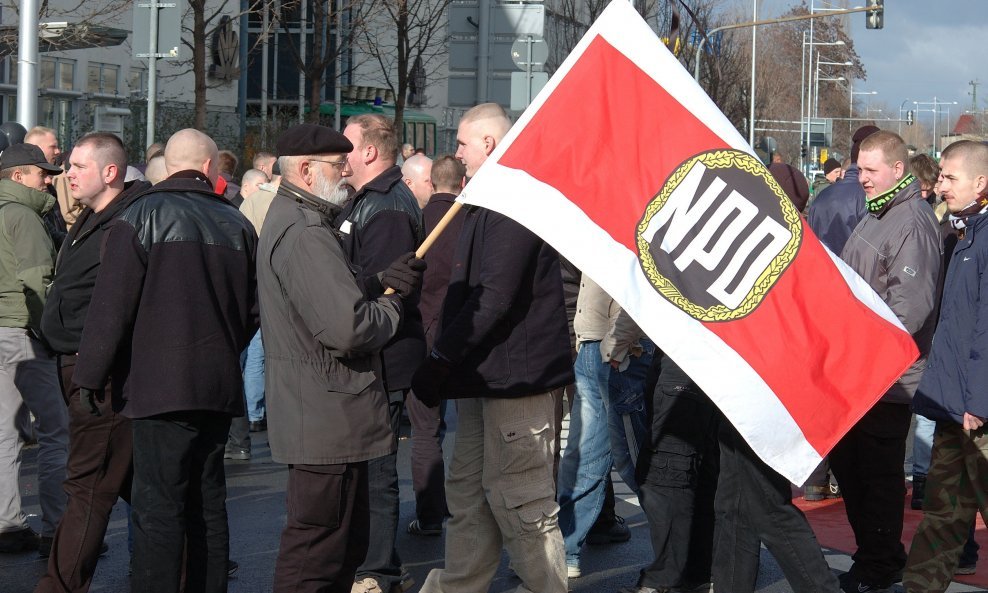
[[526, 427]]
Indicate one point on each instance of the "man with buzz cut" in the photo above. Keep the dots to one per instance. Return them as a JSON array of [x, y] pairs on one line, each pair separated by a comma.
[[954, 388], [502, 348], [100, 464], [896, 249]]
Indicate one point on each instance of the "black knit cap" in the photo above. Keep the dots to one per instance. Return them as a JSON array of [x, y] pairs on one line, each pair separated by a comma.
[[830, 165], [306, 139]]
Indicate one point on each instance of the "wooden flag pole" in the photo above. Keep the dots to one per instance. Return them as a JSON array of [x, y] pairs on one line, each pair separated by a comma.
[[440, 227]]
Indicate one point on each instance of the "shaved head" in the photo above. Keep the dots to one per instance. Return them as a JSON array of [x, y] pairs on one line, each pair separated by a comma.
[[972, 156], [488, 118], [190, 149]]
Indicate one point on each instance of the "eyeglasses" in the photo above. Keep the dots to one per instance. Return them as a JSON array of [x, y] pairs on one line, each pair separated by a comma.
[[341, 165]]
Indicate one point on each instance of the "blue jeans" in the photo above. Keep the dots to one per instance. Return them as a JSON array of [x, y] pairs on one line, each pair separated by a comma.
[[923, 445], [627, 417], [254, 378], [595, 430]]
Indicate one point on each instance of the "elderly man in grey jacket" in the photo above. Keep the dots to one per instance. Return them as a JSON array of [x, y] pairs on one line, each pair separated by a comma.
[[328, 411], [896, 248]]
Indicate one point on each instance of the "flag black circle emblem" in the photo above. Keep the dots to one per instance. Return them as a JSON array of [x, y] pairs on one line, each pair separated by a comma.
[[718, 235]]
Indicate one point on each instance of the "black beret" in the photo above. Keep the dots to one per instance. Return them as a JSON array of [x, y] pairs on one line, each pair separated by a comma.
[[306, 139]]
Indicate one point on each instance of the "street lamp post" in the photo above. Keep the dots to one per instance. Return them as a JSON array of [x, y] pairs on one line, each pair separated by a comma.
[[901, 109], [806, 115], [936, 103], [850, 102]]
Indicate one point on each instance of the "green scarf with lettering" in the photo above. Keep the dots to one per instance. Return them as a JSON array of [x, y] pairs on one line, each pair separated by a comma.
[[878, 202]]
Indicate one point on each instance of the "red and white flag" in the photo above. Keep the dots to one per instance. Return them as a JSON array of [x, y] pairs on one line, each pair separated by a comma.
[[625, 166]]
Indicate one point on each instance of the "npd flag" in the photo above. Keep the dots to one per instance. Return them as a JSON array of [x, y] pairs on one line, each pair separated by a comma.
[[626, 167]]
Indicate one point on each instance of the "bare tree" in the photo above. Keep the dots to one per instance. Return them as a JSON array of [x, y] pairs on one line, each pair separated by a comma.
[[324, 49], [90, 24], [407, 39]]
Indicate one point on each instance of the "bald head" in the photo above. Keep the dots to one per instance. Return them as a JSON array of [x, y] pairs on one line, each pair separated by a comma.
[[972, 156], [416, 174], [489, 118], [190, 149]]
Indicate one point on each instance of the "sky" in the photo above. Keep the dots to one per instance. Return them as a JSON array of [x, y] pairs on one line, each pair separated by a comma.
[[927, 49]]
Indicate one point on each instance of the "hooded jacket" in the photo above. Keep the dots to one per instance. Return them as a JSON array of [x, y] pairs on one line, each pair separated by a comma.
[[27, 255], [837, 210], [898, 252]]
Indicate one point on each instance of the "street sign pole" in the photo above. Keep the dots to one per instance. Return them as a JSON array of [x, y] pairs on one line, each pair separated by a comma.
[[152, 73], [171, 32]]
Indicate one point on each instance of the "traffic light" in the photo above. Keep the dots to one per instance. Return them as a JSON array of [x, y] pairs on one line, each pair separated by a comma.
[[909, 117], [875, 18], [802, 151]]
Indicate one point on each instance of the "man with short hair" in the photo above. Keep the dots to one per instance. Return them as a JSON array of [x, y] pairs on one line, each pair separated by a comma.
[[502, 349], [57, 220], [415, 173], [323, 335], [28, 374], [176, 287], [264, 161], [100, 463], [896, 249], [381, 222], [837, 209], [953, 389], [249, 183], [428, 428]]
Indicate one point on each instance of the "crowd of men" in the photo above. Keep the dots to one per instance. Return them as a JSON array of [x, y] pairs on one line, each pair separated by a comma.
[[322, 324]]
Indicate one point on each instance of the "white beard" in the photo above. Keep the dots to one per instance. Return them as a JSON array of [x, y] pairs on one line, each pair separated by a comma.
[[324, 189]]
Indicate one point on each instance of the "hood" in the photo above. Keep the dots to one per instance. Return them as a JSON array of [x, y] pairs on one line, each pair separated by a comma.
[[39, 201]]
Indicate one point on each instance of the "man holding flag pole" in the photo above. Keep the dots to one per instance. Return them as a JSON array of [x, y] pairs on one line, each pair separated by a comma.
[[688, 232]]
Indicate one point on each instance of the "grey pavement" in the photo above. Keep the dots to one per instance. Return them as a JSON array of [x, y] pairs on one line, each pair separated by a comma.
[[256, 505]]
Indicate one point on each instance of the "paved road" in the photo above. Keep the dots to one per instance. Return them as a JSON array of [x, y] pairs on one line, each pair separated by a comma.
[[256, 492]]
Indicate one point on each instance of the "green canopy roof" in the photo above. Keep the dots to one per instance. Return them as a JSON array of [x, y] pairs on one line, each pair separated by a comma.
[[351, 109]]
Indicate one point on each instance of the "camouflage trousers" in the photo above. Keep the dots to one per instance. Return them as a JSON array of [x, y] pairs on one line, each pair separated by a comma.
[[956, 489]]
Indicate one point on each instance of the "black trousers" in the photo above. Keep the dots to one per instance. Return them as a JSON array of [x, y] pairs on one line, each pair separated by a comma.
[[382, 561], [428, 468], [99, 470], [179, 499], [678, 477], [325, 535], [753, 505], [867, 463]]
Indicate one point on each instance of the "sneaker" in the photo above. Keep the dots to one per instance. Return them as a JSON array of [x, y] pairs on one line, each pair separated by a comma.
[[617, 532], [23, 540], [236, 453], [417, 527], [573, 571], [850, 584], [964, 569], [371, 585]]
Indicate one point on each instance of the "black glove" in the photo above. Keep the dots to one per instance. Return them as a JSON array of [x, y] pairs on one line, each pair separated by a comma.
[[428, 380], [404, 275], [91, 396]]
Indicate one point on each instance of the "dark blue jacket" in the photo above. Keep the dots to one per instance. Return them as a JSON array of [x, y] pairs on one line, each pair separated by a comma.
[[503, 323], [837, 210], [956, 378]]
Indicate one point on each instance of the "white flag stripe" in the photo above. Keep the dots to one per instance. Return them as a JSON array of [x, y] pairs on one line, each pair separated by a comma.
[[863, 291], [720, 371]]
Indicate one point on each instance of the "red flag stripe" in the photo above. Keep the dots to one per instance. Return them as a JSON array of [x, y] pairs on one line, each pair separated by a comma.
[[620, 160]]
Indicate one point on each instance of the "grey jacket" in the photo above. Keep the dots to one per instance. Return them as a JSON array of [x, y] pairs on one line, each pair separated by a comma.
[[600, 318], [322, 340], [898, 252]]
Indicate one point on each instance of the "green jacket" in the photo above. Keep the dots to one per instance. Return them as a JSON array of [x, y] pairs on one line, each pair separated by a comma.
[[27, 255]]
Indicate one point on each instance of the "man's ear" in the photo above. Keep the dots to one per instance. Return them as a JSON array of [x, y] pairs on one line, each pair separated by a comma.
[[899, 169], [489, 145]]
